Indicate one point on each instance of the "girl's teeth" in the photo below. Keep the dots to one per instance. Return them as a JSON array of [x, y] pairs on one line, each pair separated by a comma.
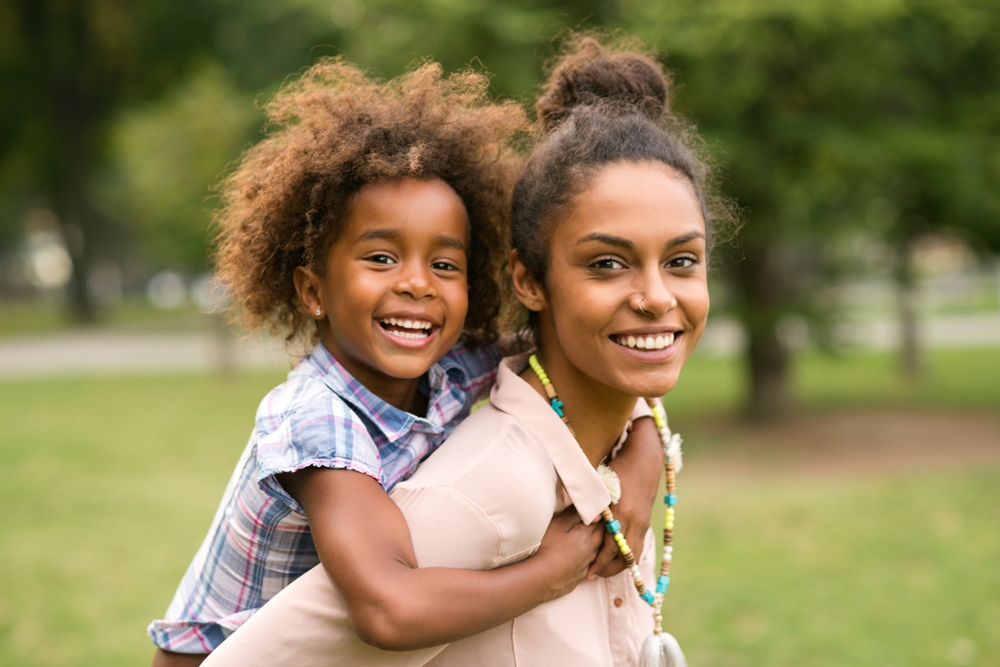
[[407, 324], [631, 341]]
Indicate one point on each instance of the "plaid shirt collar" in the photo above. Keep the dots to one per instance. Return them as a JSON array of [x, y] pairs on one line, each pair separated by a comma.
[[390, 420]]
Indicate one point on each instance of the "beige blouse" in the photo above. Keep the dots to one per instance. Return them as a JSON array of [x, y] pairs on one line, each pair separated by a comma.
[[484, 499]]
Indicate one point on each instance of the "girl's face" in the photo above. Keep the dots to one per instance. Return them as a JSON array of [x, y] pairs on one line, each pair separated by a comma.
[[394, 295], [626, 295]]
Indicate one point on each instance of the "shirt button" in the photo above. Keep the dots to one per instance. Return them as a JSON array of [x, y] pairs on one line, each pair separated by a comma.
[[619, 602]]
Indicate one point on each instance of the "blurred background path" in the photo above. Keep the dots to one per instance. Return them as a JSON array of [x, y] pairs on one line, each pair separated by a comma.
[[101, 352]]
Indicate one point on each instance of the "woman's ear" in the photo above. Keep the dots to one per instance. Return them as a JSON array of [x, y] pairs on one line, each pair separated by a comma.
[[529, 292], [307, 286]]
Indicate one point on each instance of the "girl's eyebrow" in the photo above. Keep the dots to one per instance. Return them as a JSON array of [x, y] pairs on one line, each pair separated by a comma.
[[451, 242], [625, 244], [392, 233]]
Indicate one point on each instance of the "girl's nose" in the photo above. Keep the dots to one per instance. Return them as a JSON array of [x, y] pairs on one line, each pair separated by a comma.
[[416, 282]]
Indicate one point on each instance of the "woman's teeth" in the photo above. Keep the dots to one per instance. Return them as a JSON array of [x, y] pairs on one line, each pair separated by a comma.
[[417, 328], [657, 342]]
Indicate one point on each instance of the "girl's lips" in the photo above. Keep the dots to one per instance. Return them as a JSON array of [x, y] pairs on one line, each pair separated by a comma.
[[412, 338]]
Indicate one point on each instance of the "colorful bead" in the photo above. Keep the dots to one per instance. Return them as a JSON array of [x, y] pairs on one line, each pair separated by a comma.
[[662, 583], [648, 597], [613, 526], [670, 499]]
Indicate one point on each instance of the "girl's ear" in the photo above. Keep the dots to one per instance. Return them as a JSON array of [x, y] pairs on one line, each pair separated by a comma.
[[307, 286], [529, 292]]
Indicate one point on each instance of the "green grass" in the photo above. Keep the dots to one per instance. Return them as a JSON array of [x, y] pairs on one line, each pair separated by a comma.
[[836, 573], [29, 318], [108, 486], [954, 379]]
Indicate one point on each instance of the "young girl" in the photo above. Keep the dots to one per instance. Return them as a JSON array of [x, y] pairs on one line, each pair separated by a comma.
[[374, 218], [612, 226]]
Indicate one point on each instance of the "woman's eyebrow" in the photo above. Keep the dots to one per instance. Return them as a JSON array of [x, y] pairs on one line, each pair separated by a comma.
[[680, 240], [608, 239], [625, 244]]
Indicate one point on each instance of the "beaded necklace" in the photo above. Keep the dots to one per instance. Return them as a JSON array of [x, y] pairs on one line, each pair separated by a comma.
[[661, 648]]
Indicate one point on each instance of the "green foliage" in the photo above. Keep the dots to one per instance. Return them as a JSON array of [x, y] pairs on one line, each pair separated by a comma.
[[167, 157]]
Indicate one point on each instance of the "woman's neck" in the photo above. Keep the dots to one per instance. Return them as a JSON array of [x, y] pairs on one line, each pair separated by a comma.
[[598, 413]]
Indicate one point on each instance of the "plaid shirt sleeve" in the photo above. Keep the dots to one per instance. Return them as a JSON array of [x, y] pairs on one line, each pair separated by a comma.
[[319, 430]]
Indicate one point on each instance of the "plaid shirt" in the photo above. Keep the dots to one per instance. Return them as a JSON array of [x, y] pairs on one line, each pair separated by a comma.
[[259, 541]]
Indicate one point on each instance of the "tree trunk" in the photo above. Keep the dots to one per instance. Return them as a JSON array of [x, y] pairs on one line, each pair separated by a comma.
[[768, 366], [910, 357], [764, 284]]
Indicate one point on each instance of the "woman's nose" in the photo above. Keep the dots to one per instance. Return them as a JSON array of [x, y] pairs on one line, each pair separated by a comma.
[[656, 297]]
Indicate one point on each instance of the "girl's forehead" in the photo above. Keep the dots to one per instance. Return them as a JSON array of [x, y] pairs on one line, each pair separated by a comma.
[[406, 208]]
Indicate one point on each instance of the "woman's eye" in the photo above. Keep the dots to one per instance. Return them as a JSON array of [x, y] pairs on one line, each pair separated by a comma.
[[607, 263], [684, 262], [381, 259]]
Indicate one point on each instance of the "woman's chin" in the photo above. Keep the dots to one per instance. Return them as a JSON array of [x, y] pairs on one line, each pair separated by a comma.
[[649, 385]]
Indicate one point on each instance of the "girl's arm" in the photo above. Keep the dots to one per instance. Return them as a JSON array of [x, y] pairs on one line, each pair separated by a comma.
[[365, 547], [638, 465]]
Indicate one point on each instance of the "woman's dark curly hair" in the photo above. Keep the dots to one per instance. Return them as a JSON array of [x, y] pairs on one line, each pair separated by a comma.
[[331, 132]]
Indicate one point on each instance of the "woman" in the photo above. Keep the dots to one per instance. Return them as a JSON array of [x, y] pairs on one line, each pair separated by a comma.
[[611, 230]]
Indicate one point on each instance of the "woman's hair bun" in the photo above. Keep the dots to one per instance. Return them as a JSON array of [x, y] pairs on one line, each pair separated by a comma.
[[586, 72]]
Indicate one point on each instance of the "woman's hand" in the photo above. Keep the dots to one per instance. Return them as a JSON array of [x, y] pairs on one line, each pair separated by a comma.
[[568, 549], [638, 466]]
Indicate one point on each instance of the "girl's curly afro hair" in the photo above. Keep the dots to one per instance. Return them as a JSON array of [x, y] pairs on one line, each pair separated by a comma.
[[331, 132]]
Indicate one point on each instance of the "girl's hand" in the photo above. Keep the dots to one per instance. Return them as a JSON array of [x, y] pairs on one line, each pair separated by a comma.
[[638, 466], [569, 548]]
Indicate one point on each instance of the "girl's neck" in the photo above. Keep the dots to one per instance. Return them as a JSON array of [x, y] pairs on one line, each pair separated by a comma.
[[597, 412]]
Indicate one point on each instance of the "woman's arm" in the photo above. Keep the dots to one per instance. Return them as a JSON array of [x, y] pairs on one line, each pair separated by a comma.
[[365, 547], [638, 465]]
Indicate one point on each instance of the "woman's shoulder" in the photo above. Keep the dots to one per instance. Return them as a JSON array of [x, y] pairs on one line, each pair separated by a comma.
[[494, 482]]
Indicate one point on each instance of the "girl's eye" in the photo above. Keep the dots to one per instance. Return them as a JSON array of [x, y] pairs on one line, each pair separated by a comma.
[[381, 258], [444, 266], [683, 262], [607, 263]]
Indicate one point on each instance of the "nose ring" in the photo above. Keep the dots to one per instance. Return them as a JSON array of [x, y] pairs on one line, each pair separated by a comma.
[[638, 306]]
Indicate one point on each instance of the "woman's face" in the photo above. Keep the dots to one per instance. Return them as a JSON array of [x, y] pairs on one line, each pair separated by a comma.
[[626, 294]]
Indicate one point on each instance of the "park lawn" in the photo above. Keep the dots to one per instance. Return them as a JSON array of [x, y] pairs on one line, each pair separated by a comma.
[[133, 315], [109, 486]]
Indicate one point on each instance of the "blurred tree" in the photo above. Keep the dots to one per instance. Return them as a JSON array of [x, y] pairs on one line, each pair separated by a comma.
[[166, 156], [168, 153], [67, 67], [821, 108]]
